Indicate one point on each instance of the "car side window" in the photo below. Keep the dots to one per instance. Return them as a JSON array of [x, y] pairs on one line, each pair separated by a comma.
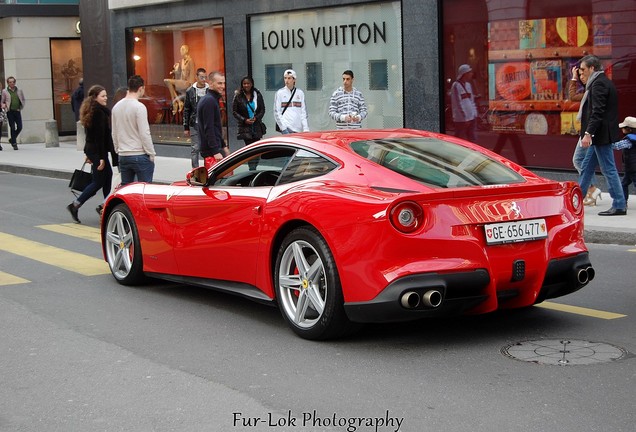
[[306, 165], [256, 169]]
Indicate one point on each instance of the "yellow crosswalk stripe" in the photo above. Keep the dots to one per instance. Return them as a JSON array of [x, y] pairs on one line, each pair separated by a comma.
[[75, 230], [9, 279], [68, 260], [580, 310]]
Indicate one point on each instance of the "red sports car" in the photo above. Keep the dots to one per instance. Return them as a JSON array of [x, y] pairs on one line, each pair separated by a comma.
[[346, 227]]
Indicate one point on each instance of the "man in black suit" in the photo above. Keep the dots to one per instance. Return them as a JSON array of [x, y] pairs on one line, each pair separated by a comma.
[[599, 129]]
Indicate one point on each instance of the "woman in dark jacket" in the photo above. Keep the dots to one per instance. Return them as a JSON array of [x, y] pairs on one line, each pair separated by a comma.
[[95, 117], [248, 109]]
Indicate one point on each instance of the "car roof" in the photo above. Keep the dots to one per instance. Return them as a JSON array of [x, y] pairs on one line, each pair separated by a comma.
[[342, 138]]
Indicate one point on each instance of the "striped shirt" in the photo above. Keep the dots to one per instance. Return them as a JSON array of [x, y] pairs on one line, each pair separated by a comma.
[[344, 103]]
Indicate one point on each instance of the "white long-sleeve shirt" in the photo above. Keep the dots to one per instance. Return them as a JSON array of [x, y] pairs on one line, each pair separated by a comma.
[[295, 117], [131, 131], [463, 102]]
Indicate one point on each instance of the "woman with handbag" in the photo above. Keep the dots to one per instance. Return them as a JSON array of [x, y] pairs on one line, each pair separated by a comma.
[[248, 109], [95, 117], [593, 192]]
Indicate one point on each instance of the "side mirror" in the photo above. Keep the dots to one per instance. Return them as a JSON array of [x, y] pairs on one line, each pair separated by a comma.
[[197, 177]]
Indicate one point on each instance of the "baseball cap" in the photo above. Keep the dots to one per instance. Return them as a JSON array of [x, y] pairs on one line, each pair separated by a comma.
[[463, 69], [629, 122], [290, 72]]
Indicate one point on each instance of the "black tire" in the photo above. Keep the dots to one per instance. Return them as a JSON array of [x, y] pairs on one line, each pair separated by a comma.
[[123, 249], [308, 287]]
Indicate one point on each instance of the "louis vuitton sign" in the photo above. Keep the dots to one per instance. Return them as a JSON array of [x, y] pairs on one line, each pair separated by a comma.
[[325, 36]]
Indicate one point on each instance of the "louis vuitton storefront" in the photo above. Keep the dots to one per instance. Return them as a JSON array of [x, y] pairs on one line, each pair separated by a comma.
[[405, 55]]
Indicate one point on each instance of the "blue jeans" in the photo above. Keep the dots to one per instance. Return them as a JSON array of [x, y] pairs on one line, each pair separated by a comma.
[[578, 156], [195, 147], [577, 160], [139, 167], [603, 155], [101, 180], [15, 125]]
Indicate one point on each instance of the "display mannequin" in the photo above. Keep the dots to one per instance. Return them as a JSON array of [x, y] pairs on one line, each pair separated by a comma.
[[183, 73]]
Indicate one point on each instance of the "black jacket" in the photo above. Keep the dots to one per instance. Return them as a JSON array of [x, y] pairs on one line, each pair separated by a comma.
[[209, 124], [240, 112], [629, 156], [190, 107], [99, 140], [76, 100], [600, 112]]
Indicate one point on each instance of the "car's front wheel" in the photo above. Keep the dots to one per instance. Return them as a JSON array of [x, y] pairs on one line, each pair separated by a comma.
[[308, 287], [123, 250]]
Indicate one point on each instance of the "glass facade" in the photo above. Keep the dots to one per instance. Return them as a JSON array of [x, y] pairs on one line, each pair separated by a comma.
[[66, 71], [522, 53], [167, 57], [320, 44]]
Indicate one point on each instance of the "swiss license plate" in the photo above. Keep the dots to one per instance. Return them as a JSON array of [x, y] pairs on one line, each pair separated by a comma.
[[517, 231]]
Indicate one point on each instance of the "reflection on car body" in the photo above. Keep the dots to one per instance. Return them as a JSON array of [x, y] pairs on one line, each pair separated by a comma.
[[345, 227]]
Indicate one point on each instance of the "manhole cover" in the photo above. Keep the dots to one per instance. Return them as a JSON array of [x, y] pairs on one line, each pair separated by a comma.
[[564, 352]]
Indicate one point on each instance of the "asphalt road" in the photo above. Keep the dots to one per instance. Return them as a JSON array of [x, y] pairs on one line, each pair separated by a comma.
[[78, 352]]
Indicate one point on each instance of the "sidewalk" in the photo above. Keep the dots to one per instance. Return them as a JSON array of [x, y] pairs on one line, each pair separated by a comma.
[[59, 162]]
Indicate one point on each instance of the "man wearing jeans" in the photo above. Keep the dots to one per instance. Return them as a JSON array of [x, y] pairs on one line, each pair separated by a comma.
[[598, 113], [192, 97], [12, 103], [290, 110], [131, 135]]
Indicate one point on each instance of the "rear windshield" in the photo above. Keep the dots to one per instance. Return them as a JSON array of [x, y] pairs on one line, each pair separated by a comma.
[[436, 162]]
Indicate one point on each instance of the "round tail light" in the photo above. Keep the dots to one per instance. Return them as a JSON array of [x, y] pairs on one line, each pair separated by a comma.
[[577, 200], [407, 216]]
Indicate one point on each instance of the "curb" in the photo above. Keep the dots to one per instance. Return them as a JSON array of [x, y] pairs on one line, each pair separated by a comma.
[[42, 172], [609, 237]]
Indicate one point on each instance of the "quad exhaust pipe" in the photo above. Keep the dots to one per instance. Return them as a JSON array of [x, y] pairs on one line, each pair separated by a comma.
[[585, 275], [430, 298]]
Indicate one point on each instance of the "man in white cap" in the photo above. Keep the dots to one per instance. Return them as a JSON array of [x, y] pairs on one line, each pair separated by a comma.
[[290, 110], [463, 105]]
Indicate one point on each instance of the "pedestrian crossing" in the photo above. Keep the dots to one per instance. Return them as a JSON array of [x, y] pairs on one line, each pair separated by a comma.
[[75, 230], [74, 262], [9, 279]]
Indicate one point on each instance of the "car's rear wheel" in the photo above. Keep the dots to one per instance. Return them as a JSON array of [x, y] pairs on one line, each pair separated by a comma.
[[123, 250], [308, 287]]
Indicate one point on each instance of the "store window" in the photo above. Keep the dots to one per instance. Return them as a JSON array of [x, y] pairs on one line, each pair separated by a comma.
[[167, 57], [66, 70], [320, 44], [522, 53]]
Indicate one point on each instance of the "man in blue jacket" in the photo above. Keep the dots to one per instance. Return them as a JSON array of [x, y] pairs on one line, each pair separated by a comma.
[[209, 120]]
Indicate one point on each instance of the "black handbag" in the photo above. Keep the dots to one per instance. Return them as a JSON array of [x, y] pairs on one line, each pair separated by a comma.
[[80, 179]]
